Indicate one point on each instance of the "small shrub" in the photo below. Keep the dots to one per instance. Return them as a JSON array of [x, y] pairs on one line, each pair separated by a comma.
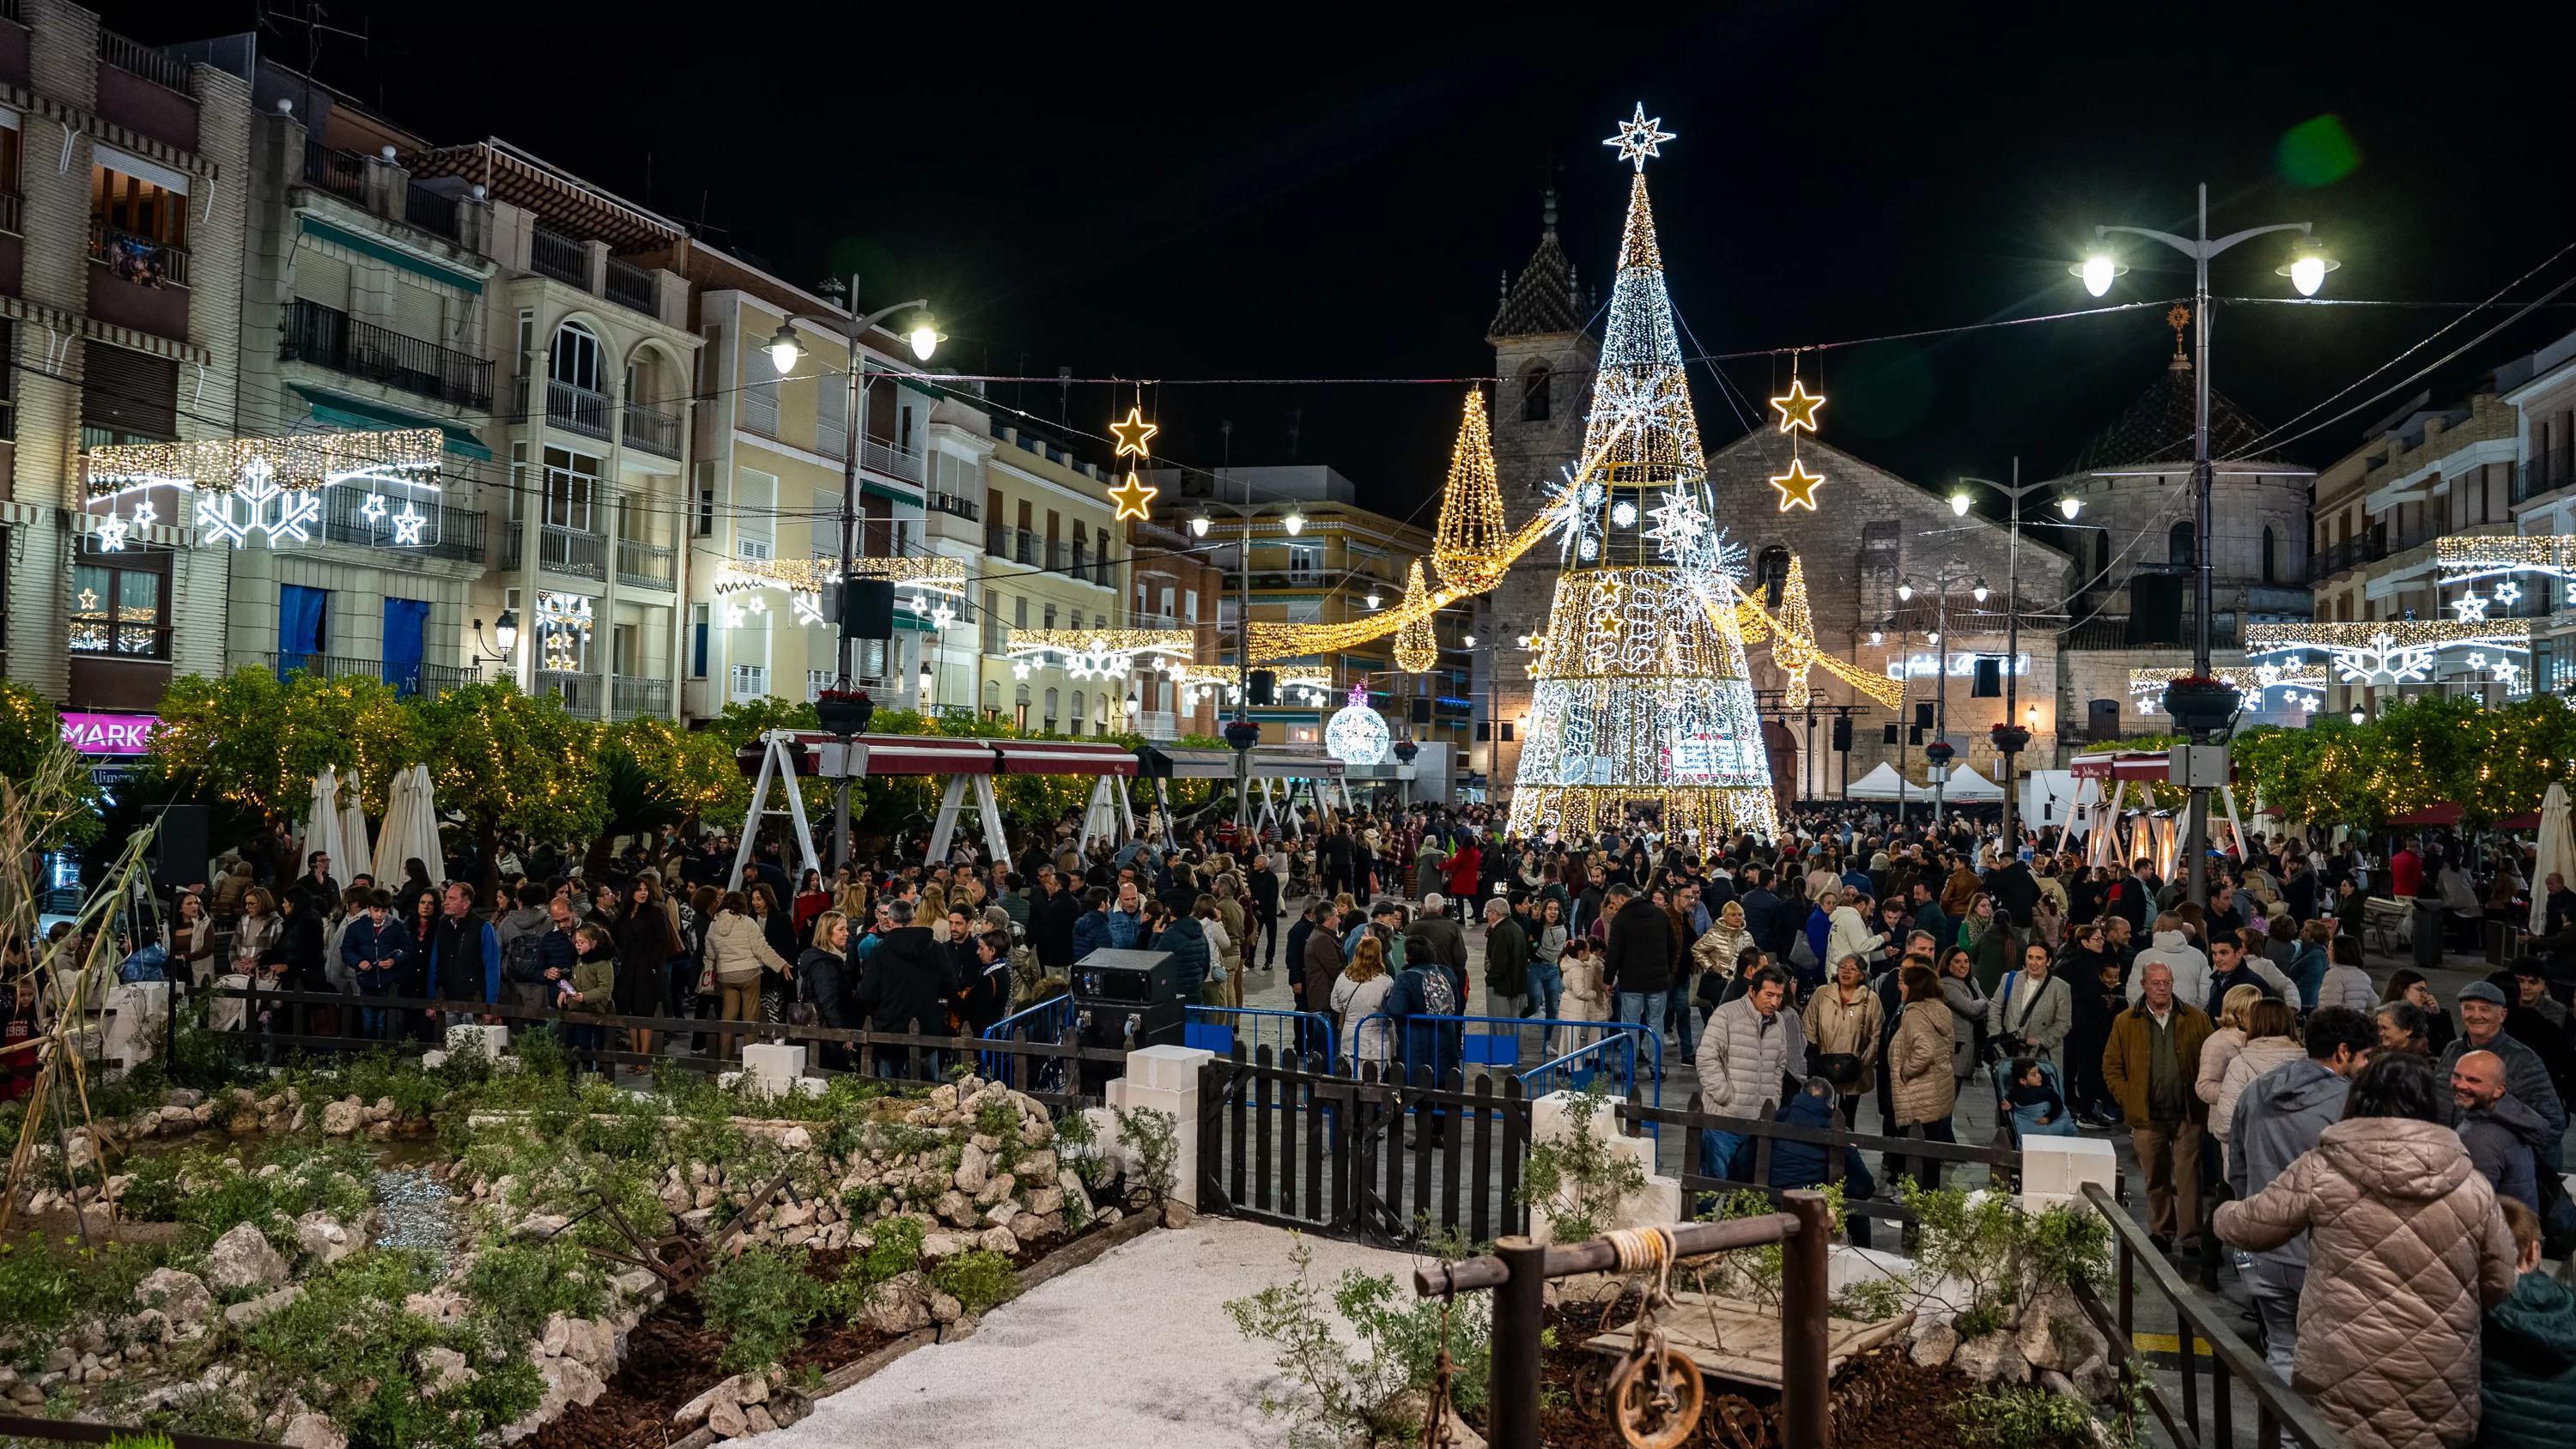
[[977, 1279], [2020, 1417], [862, 1200], [37, 1292], [1333, 1395], [519, 1285], [894, 1246], [1155, 1139], [761, 1302]]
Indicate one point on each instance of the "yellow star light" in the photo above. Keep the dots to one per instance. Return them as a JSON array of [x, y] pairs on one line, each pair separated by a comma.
[[1131, 436], [1798, 409], [1797, 486], [1132, 495]]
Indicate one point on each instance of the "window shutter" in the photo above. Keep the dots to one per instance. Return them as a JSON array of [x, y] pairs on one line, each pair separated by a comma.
[[831, 414], [420, 313], [129, 392], [322, 277]]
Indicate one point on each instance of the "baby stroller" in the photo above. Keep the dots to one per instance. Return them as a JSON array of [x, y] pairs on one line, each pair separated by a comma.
[[2013, 1122]]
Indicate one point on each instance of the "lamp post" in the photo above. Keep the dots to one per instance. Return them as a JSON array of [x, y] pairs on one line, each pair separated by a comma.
[[783, 349], [2306, 270], [1199, 525], [1939, 751], [2011, 736]]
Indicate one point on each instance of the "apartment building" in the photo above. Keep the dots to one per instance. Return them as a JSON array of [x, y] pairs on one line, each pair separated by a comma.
[[121, 221], [2540, 390], [1053, 556], [2421, 474], [1318, 557], [1173, 584], [586, 490]]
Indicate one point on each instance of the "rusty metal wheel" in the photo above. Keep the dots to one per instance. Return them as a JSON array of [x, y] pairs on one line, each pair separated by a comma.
[[1735, 1424], [1591, 1387], [1656, 1398]]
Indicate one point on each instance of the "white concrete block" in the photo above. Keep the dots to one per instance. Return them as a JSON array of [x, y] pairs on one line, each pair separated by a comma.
[[775, 1064], [491, 1042], [1552, 1118], [1170, 1068], [2063, 1165], [135, 1013]]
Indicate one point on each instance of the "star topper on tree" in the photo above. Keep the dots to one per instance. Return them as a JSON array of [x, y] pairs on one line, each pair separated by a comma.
[[1639, 138]]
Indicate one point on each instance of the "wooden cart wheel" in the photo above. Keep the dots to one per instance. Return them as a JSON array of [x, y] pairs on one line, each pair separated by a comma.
[[1735, 1424], [1590, 1386], [1655, 1400]]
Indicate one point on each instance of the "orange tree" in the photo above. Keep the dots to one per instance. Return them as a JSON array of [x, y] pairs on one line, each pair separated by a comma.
[[257, 741], [507, 761]]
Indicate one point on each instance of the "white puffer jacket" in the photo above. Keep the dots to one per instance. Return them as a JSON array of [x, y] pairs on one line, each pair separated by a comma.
[[1743, 1054]]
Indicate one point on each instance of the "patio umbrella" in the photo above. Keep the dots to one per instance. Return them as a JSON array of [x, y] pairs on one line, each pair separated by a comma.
[[322, 819], [355, 859], [411, 825], [2557, 853]]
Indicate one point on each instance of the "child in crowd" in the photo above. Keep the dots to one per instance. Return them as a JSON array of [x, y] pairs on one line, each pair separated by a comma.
[[2037, 1108], [2527, 1368]]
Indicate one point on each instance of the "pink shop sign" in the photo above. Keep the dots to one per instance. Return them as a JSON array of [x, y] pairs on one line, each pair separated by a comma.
[[109, 734]]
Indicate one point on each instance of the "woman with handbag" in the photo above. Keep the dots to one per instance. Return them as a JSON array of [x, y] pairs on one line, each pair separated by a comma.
[[1843, 1022], [645, 944]]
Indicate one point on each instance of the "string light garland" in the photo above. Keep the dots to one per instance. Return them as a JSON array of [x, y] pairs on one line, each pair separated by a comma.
[[268, 487], [1416, 650], [2297, 677], [1467, 547], [1641, 693], [2389, 651], [2466, 559]]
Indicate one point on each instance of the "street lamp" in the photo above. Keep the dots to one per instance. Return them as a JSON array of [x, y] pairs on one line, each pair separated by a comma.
[[2010, 739], [505, 637], [1958, 505], [1980, 591], [783, 350], [2069, 506], [1939, 751], [1200, 523], [2306, 270], [1295, 523]]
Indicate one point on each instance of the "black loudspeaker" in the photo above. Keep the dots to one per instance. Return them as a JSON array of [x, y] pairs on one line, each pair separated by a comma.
[[870, 608], [1915, 735], [179, 850], [1265, 686], [1842, 733], [1484, 731], [2155, 609], [1119, 1026], [1923, 716], [2102, 720], [1422, 710], [1990, 679], [1888, 735]]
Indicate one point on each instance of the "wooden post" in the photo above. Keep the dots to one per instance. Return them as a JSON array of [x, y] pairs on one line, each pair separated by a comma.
[[1520, 1305], [1805, 1420]]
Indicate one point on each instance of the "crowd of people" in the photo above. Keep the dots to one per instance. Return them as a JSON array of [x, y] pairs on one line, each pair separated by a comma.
[[2380, 1174]]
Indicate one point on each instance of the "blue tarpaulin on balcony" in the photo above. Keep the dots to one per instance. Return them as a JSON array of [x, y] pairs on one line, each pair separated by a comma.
[[350, 412]]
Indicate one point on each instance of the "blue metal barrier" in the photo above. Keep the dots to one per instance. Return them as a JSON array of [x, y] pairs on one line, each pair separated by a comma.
[[1577, 1069], [1499, 1045], [1048, 1021], [1286, 1033]]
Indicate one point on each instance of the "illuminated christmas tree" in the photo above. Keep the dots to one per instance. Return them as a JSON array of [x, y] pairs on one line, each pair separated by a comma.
[[1642, 696]]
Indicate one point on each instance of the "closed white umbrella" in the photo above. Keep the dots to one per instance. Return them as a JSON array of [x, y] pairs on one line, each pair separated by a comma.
[[322, 820], [355, 859], [2557, 853], [391, 830], [418, 838]]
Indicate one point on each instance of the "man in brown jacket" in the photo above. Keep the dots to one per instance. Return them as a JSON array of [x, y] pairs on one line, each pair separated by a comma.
[[2150, 1063]]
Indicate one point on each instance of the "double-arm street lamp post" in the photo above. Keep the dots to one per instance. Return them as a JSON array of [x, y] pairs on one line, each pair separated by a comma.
[[2306, 270], [783, 350], [2012, 736], [1200, 523], [1939, 752]]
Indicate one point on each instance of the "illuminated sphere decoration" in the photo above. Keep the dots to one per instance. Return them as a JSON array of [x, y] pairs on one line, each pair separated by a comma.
[[1356, 734]]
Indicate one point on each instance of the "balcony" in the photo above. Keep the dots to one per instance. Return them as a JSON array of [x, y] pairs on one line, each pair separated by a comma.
[[342, 173], [651, 431], [997, 539], [892, 462], [577, 409], [955, 505], [328, 338], [1056, 557], [630, 698], [1024, 546], [562, 549], [1158, 724], [136, 58], [424, 680], [2544, 473], [646, 565], [2352, 553], [431, 211], [580, 692], [13, 209], [137, 259], [632, 286], [450, 533], [552, 254]]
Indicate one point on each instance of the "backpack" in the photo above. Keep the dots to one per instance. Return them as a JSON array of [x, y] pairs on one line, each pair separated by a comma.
[[519, 958], [144, 965], [1439, 994]]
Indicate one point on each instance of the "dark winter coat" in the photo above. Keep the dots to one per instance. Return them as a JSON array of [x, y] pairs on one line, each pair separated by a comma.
[[2527, 1367], [1188, 943], [1638, 956], [906, 981], [2506, 1142]]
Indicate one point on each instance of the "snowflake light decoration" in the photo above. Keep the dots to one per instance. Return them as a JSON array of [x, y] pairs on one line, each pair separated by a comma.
[[1624, 513], [804, 607], [2385, 660], [259, 506], [1356, 734], [2472, 607]]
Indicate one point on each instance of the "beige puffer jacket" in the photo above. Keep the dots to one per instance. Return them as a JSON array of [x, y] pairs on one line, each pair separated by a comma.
[[2405, 1249], [1918, 1060], [2255, 1058], [736, 950], [1718, 947], [1836, 1025]]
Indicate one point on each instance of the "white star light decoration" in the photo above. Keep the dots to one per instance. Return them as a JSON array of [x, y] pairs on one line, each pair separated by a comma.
[[407, 526], [2507, 592], [259, 506], [2472, 608], [110, 534], [373, 510], [1638, 138]]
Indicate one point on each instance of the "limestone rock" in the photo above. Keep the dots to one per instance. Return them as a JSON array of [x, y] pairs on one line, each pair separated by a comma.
[[736, 1391], [442, 1369], [1991, 1358], [2055, 1333], [432, 1060], [1934, 1344], [183, 1296], [313, 1431], [244, 1314], [242, 1258], [757, 1419], [182, 1097], [1037, 1168], [541, 1226], [901, 1304], [997, 1240], [321, 1236], [957, 1209], [796, 1139], [339, 1119], [726, 1419], [961, 1330], [1000, 1186], [944, 1309], [1046, 1200], [1176, 1213], [974, 1169]]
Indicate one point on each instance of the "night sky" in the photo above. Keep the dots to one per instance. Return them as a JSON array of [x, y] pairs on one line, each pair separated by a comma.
[[1221, 195]]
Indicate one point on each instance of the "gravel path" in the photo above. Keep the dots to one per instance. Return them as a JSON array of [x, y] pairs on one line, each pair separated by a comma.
[[1132, 1350]]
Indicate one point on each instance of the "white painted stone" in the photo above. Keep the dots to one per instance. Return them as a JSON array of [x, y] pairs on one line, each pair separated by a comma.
[[2061, 1166], [1552, 1119], [471, 1037]]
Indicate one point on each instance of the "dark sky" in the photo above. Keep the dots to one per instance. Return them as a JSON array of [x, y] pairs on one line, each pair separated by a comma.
[[1307, 192]]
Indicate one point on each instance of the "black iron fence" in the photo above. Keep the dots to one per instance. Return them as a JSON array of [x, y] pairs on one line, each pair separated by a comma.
[[328, 337]]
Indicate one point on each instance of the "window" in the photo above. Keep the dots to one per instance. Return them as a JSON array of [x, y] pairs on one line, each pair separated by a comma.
[[127, 397], [1773, 575], [750, 682], [1190, 605], [832, 414], [9, 162], [1100, 559], [1165, 611], [303, 621], [144, 211], [1050, 623], [527, 333], [1077, 712], [1020, 612], [576, 357], [826, 526], [759, 394], [706, 486], [2269, 560], [1049, 716], [572, 488], [1534, 393], [1074, 620], [122, 608], [1304, 559], [755, 498], [2178, 545], [698, 641]]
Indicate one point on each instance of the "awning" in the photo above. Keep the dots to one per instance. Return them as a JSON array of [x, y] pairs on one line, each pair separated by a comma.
[[2123, 765], [1063, 757], [2449, 814], [350, 412], [1190, 762]]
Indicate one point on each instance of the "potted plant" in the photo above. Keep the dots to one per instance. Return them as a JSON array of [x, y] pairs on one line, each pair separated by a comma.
[[2010, 739], [1243, 734], [1406, 749], [1938, 753], [2200, 705], [844, 712]]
